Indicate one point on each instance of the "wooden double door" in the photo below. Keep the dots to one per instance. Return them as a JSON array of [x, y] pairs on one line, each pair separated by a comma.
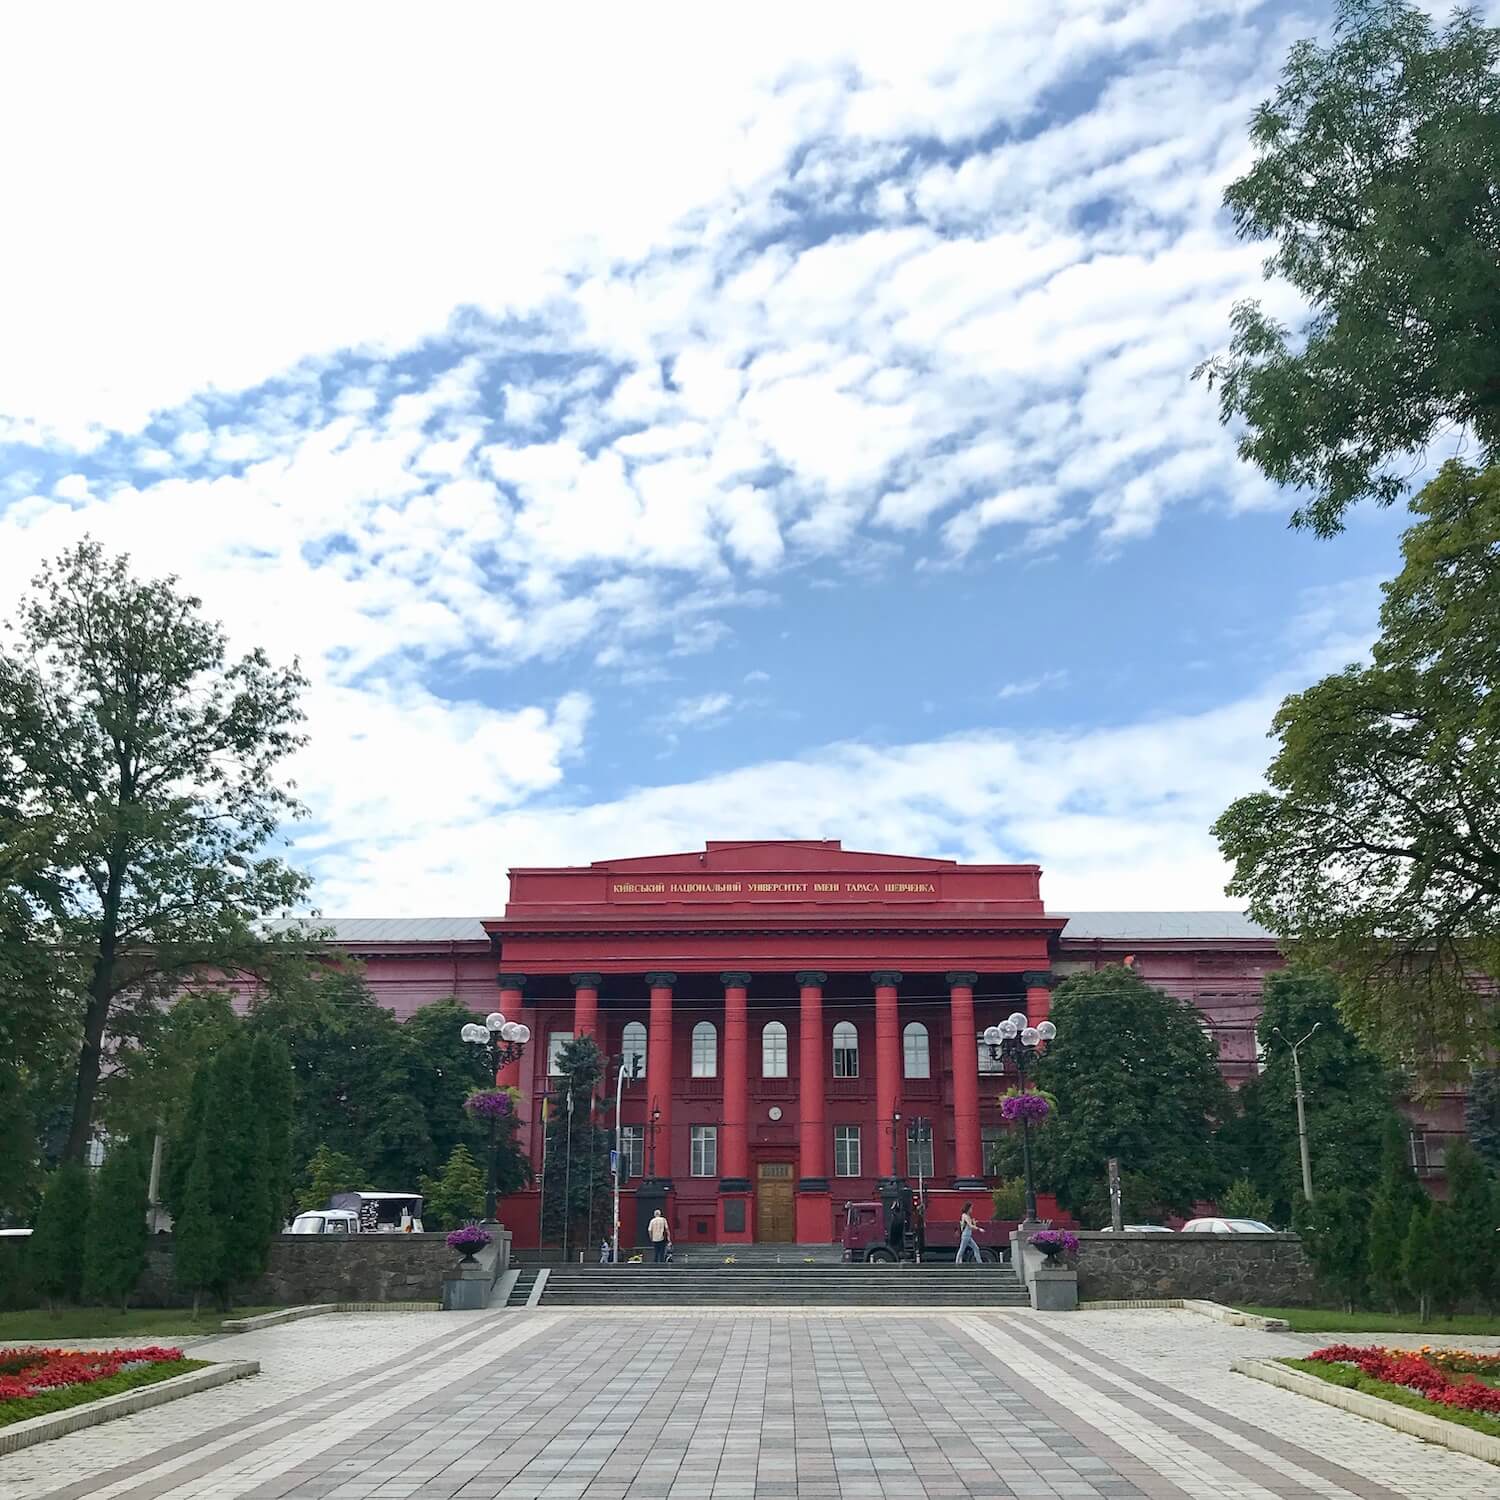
[[775, 1211]]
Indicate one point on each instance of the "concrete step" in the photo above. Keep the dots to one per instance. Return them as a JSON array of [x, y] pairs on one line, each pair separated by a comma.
[[522, 1289]]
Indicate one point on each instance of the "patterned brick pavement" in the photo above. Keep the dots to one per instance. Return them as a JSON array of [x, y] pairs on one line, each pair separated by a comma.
[[718, 1405]]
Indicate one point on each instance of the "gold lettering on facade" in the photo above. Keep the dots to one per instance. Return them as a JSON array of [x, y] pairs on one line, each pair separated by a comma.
[[774, 887]]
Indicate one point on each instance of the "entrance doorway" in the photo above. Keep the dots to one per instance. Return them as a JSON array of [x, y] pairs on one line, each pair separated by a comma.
[[775, 1214]]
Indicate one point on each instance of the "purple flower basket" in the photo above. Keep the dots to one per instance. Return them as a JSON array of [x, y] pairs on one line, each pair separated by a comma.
[[1017, 1107], [469, 1239], [490, 1104], [1055, 1242]]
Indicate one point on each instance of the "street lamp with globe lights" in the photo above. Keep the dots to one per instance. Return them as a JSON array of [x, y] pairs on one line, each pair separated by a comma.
[[503, 1042], [1016, 1041]]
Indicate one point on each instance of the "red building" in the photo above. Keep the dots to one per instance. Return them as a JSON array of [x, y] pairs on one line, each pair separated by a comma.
[[807, 1018]]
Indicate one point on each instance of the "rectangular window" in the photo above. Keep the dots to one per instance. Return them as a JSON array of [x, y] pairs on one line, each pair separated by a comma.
[[990, 1138], [555, 1043], [633, 1150], [919, 1150], [988, 1064], [705, 1142], [846, 1150]]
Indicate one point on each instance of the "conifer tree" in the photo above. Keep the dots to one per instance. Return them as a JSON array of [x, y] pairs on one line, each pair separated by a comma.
[[241, 1191], [198, 1231], [1420, 1254], [59, 1239], [328, 1172], [456, 1195], [1397, 1193], [1471, 1224], [271, 1075], [115, 1253], [1335, 1231]]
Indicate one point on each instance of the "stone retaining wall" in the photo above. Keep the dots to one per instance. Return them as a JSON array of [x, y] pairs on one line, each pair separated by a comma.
[[1254, 1270], [321, 1268]]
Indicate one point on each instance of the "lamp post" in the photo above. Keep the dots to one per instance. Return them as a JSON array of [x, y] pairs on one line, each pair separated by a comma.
[[1301, 1112], [632, 1066], [1016, 1042], [651, 1142], [503, 1042]]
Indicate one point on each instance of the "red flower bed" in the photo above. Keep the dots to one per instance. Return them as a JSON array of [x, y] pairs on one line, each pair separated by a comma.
[[1417, 1373], [30, 1372]]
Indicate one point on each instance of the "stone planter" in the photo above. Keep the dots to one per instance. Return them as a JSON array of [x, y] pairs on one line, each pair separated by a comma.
[[1054, 1289]]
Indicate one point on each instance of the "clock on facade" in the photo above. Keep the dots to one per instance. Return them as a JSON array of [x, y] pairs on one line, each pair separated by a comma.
[[774, 1111]]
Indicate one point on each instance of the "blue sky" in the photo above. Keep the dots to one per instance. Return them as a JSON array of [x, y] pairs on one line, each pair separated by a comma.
[[650, 431]]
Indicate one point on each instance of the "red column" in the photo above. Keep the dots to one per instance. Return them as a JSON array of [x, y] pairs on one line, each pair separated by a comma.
[[968, 1155], [734, 1149], [659, 1070], [512, 1005], [887, 1067], [1038, 984], [812, 1148], [585, 1005]]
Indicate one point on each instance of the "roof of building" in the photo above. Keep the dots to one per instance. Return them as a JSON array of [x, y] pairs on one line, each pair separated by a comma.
[[1082, 925], [1160, 924]]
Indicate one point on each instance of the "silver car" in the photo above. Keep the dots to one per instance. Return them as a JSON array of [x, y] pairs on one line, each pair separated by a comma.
[[1226, 1226]]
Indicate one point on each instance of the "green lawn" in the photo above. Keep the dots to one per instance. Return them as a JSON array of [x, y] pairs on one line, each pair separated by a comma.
[[81, 1395], [1355, 1380], [111, 1323], [1331, 1320]]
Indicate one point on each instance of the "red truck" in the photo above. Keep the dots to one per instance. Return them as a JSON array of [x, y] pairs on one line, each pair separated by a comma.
[[868, 1235]]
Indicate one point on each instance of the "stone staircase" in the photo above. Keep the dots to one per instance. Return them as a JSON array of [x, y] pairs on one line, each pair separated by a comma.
[[522, 1289], [784, 1285]]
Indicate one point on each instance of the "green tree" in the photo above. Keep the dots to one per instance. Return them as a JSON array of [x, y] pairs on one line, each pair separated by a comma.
[[1482, 1115], [326, 1173], [577, 1163], [1335, 1230], [1471, 1224], [115, 1253], [440, 1070], [456, 1196], [1422, 1256], [271, 1087], [150, 762], [1376, 850], [1375, 172], [1243, 1200], [1349, 1098], [1135, 1076], [59, 1239], [1396, 1195], [199, 1234]]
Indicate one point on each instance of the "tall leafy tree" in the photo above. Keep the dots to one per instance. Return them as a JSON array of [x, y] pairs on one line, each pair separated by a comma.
[[1349, 1096], [152, 758], [577, 1185], [441, 1069], [115, 1253], [1376, 849], [1135, 1076], [1375, 172]]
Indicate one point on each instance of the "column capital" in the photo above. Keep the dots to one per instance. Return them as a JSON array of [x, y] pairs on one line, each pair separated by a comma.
[[1039, 979], [811, 978], [661, 980], [961, 979], [585, 981], [883, 977], [734, 979], [511, 981]]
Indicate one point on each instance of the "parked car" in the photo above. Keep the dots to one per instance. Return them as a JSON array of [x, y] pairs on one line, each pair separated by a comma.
[[1137, 1229], [1226, 1226], [326, 1221]]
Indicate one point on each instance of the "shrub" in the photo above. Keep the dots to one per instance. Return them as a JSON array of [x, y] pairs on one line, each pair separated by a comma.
[[115, 1252], [58, 1241]]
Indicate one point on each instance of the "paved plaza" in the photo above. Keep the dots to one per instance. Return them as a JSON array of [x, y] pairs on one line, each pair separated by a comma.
[[783, 1405]]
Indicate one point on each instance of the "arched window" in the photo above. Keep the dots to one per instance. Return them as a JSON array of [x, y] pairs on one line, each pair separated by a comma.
[[705, 1050], [914, 1050], [633, 1049], [773, 1050], [845, 1050]]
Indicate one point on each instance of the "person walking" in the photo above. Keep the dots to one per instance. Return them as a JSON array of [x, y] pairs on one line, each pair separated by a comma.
[[660, 1234], [604, 1256], [967, 1229]]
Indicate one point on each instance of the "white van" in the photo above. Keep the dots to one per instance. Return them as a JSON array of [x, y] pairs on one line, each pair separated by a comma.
[[326, 1221]]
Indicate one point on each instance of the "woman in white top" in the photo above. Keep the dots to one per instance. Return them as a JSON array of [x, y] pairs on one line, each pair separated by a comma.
[[968, 1228]]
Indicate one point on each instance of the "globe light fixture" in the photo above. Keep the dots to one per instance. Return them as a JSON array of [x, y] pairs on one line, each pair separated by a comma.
[[1015, 1041], [503, 1042], [495, 1021]]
